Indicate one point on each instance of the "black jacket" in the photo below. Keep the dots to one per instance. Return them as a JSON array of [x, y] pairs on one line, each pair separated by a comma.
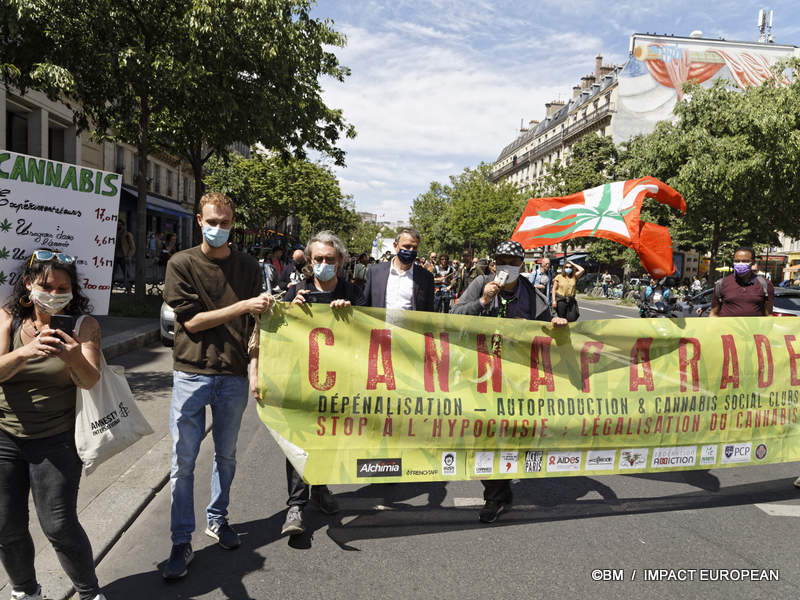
[[469, 302], [374, 294]]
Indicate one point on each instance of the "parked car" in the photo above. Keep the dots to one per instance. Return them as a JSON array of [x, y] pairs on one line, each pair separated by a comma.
[[787, 302], [167, 324]]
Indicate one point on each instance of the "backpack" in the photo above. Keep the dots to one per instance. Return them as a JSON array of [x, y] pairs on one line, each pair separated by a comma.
[[759, 278]]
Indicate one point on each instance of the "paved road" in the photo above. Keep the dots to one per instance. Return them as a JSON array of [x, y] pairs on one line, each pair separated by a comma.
[[592, 310], [424, 541]]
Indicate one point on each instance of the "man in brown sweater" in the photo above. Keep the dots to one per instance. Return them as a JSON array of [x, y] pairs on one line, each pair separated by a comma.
[[214, 291]]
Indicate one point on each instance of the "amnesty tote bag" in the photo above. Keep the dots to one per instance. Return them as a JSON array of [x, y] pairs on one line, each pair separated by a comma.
[[107, 419]]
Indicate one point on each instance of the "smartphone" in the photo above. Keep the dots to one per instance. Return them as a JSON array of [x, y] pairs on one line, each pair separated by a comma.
[[501, 278], [317, 297], [65, 323]]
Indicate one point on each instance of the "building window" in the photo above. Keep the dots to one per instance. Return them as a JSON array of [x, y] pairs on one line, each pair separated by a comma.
[[169, 183], [16, 133], [185, 189], [55, 143], [156, 178], [120, 159], [135, 175]]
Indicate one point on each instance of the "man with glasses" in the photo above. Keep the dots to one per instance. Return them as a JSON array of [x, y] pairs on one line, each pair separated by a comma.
[[214, 291], [514, 298], [327, 255]]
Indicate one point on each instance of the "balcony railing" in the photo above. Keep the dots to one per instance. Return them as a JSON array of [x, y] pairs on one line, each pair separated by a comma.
[[556, 141]]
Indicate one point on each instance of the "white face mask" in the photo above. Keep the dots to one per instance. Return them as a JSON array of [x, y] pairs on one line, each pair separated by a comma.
[[513, 272], [50, 303]]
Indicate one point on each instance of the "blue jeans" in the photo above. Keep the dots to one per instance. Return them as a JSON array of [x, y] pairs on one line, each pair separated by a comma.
[[227, 396]]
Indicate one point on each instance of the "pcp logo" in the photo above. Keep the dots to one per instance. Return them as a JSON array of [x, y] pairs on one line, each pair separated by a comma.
[[736, 453], [564, 461], [633, 458], [761, 451], [379, 467], [448, 463]]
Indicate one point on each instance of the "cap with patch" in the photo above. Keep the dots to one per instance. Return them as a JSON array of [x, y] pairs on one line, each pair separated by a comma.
[[510, 249]]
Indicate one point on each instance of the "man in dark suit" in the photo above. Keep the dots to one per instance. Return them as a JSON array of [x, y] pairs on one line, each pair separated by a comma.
[[399, 283]]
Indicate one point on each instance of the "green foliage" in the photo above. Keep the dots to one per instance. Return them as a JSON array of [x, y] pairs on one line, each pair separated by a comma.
[[471, 213], [189, 76], [278, 186], [732, 155]]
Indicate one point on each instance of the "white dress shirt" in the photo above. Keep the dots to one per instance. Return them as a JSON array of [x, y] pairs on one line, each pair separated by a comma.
[[400, 289]]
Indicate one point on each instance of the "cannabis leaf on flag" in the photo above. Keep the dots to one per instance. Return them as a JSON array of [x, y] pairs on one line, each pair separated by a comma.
[[610, 211]]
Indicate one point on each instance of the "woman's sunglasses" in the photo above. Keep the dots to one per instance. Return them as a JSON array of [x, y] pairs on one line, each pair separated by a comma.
[[45, 255]]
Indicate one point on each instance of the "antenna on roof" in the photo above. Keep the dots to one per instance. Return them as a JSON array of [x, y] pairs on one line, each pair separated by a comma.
[[765, 26]]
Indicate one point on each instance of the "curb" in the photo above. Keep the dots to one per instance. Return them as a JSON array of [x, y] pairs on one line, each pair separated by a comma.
[[122, 343]]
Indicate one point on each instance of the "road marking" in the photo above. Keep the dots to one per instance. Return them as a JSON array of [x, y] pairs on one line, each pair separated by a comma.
[[464, 502], [774, 509], [591, 309]]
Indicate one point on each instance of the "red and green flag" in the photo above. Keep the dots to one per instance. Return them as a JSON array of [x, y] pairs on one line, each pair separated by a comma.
[[610, 211]]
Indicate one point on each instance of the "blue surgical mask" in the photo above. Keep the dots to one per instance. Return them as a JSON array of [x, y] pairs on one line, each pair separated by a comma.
[[567, 271], [215, 236], [324, 271], [406, 256]]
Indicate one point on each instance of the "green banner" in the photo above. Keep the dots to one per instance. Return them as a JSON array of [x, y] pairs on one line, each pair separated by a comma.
[[369, 395]]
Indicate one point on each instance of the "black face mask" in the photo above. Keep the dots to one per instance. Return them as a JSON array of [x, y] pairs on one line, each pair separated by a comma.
[[299, 263], [406, 256]]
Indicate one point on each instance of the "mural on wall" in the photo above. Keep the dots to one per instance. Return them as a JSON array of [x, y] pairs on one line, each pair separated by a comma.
[[651, 82]]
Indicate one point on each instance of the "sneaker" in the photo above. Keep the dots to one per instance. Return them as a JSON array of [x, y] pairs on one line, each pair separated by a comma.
[[325, 501], [224, 534], [491, 510], [99, 597], [797, 482], [294, 522], [178, 563], [37, 595]]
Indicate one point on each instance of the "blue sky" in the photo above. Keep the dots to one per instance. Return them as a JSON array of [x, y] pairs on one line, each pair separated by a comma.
[[441, 85]]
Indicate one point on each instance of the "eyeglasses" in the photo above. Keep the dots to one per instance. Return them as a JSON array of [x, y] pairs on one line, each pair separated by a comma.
[[45, 255]]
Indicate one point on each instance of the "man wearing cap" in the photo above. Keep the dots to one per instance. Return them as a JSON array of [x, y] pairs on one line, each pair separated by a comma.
[[515, 299]]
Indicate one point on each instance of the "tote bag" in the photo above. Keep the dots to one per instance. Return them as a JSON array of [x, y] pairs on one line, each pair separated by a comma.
[[107, 419]]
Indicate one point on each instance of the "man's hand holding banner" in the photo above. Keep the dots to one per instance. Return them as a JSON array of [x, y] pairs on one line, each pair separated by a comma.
[[368, 395]]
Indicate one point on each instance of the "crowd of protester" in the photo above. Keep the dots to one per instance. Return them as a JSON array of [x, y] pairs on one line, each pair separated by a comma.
[[217, 290]]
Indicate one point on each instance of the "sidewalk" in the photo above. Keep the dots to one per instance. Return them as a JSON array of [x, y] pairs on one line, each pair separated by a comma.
[[112, 497]]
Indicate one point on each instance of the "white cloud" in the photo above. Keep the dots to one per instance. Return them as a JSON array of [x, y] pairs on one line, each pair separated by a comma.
[[442, 85]]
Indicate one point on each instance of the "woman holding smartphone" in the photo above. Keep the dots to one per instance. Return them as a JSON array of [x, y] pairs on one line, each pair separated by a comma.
[[42, 360]]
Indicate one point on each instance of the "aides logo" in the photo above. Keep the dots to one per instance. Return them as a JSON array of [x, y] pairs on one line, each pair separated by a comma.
[[600, 460], [682, 456], [708, 455], [633, 458], [533, 461], [448, 463], [761, 451], [484, 463], [736, 453], [564, 461], [508, 462], [379, 467]]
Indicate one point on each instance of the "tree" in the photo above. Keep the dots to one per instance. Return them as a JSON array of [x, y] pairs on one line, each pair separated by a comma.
[[471, 213], [430, 215], [254, 70], [191, 76], [592, 162], [267, 187], [732, 155]]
